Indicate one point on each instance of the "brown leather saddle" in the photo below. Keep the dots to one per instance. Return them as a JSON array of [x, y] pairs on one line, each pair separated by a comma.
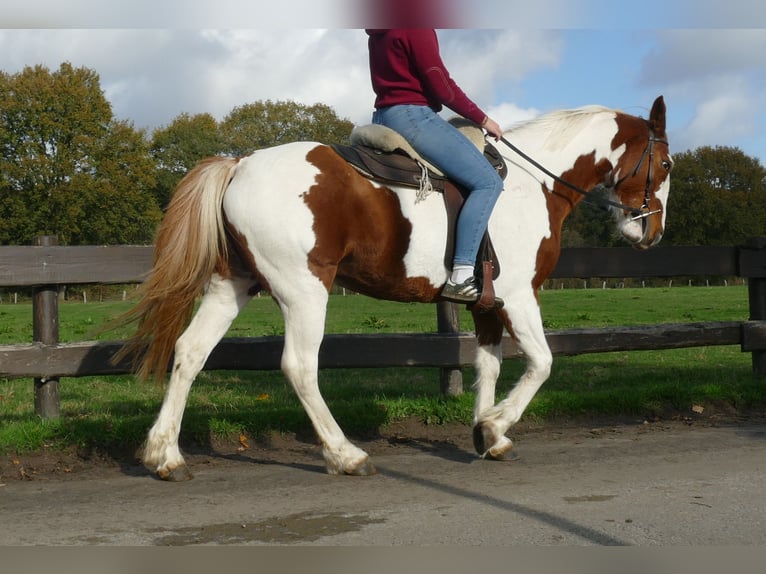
[[397, 167]]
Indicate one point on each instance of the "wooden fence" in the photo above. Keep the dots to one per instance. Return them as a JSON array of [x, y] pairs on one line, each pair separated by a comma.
[[44, 266]]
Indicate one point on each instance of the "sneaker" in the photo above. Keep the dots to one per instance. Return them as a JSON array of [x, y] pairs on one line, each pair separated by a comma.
[[466, 292]]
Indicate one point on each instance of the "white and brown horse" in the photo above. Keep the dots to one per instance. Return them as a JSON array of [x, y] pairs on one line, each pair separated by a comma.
[[294, 219]]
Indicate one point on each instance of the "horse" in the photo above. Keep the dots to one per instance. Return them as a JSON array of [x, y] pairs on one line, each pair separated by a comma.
[[295, 219]]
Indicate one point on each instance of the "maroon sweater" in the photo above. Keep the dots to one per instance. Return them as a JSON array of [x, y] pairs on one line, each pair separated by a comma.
[[406, 68]]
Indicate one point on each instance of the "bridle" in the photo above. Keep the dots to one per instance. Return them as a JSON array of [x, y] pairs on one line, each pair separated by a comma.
[[636, 213], [648, 152]]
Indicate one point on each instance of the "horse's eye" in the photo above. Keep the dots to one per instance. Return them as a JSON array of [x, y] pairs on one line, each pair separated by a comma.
[[666, 165]]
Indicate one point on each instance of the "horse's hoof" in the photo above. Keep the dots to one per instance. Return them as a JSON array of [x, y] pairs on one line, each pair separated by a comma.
[[500, 450], [487, 445], [481, 437], [177, 474], [366, 468]]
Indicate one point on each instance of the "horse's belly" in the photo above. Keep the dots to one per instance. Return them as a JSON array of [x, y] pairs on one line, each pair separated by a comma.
[[402, 256]]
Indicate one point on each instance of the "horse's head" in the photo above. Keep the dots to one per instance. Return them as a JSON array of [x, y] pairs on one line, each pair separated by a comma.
[[640, 178]]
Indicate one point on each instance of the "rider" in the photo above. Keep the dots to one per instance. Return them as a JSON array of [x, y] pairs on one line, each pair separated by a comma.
[[412, 85]]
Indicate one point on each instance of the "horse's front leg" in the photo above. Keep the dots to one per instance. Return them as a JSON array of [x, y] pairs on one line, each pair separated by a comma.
[[492, 422], [489, 358], [223, 300]]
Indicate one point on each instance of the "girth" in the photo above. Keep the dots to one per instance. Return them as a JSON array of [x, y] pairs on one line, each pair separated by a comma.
[[399, 168]]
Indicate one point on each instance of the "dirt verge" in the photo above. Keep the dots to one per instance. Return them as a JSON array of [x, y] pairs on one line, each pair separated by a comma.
[[76, 464]]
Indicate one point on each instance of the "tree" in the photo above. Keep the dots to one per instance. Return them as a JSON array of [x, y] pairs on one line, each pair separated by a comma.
[[717, 197], [264, 124], [121, 208], [179, 146], [67, 167]]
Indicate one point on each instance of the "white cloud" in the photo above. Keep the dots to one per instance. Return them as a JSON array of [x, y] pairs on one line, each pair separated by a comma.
[[721, 118], [688, 55], [714, 81], [481, 61], [151, 76], [499, 54], [172, 14], [309, 66], [509, 114], [717, 79], [229, 14]]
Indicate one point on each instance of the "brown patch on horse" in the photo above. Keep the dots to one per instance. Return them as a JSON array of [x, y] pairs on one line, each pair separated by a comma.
[[361, 234], [585, 174], [489, 327], [241, 260], [631, 130]]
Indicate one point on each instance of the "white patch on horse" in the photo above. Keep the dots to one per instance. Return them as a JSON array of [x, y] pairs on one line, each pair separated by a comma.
[[662, 195], [267, 192], [428, 238], [517, 235]]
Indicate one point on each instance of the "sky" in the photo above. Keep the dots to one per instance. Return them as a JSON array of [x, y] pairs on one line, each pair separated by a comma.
[[158, 59]]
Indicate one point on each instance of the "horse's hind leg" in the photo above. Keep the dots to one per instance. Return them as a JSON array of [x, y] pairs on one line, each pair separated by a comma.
[[222, 302], [304, 312]]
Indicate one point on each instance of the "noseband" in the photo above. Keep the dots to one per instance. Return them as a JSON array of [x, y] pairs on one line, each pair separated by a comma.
[[637, 213]]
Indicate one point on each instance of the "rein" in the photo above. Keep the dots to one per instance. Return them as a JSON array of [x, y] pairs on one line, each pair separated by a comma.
[[637, 213]]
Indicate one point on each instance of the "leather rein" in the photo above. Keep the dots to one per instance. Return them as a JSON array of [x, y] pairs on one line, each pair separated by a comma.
[[637, 213]]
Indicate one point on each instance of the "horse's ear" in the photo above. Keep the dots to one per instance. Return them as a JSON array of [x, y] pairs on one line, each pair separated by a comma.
[[657, 116]]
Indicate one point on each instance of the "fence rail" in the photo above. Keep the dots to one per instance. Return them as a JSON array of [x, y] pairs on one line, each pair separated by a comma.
[[29, 266], [444, 350], [45, 266]]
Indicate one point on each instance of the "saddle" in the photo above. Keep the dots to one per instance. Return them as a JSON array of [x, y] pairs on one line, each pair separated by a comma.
[[381, 154]]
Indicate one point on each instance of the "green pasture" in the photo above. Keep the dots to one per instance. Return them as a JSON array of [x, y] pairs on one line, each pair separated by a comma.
[[107, 413]]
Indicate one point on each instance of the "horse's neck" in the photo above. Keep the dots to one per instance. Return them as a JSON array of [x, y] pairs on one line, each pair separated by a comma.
[[563, 147]]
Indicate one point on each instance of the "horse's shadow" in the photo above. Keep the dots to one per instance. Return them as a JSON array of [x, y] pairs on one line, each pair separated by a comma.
[[318, 467], [379, 448], [437, 448]]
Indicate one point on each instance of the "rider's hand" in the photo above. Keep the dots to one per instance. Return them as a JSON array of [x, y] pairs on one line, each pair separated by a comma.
[[492, 128]]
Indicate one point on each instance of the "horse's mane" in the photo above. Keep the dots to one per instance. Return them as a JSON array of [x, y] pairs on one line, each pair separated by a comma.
[[559, 126]]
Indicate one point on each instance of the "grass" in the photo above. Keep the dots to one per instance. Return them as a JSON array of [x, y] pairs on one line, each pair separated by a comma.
[[107, 413]]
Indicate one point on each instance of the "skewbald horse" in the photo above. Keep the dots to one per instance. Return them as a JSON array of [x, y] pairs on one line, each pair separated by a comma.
[[294, 219]]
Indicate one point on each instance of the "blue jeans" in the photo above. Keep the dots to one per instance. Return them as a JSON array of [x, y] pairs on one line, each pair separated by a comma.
[[442, 145]]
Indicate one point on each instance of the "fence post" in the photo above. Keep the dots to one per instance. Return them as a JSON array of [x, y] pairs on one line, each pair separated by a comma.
[[756, 292], [45, 329], [448, 321]]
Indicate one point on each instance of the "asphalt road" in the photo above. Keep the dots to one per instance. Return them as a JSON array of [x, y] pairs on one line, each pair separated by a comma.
[[625, 485]]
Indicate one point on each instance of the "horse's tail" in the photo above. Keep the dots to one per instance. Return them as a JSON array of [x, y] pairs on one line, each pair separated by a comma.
[[190, 246]]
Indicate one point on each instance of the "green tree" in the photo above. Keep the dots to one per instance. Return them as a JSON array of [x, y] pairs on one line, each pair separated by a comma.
[[67, 167], [121, 208], [179, 146], [264, 124], [717, 197]]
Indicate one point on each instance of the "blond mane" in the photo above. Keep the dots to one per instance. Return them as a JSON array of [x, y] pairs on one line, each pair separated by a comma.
[[559, 126]]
